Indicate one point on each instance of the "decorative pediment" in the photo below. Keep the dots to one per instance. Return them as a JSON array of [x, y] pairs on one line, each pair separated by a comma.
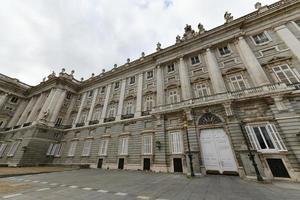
[[172, 86], [209, 118], [233, 70], [276, 59], [113, 102], [200, 79], [149, 92], [129, 97]]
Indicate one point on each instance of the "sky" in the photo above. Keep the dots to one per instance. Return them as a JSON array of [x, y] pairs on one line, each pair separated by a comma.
[[38, 37]]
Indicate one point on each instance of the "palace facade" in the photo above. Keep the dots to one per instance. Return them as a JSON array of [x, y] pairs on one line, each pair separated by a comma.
[[210, 96]]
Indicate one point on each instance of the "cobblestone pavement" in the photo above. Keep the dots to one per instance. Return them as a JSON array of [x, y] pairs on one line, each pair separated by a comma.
[[120, 185]]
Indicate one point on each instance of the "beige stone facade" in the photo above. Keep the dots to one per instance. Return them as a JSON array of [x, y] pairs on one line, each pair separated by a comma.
[[146, 113]]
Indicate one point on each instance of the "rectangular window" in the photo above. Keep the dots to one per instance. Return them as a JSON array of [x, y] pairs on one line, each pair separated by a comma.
[[14, 99], [59, 149], [132, 80], [171, 68], [176, 143], [96, 114], [117, 85], [111, 112], [13, 148], [202, 90], [195, 60], [123, 146], [58, 122], [102, 90], [86, 147], [72, 148], [103, 147], [82, 118], [173, 97], [261, 38], [2, 149], [147, 144], [149, 74], [265, 137], [129, 108], [285, 74], [224, 51], [49, 149], [149, 103], [90, 93], [237, 82]]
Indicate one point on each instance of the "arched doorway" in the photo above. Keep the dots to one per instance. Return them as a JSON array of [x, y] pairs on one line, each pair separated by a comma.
[[217, 154]]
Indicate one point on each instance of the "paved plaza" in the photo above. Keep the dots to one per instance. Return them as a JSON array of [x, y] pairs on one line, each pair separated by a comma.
[[111, 184]]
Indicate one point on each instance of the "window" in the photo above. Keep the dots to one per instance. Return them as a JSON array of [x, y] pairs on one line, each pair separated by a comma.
[[96, 114], [82, 118], [103, 147], [147, 144], [49, 149], [261, 38], [265, 137], [171, 68], [298, 23], [86, 147], [129, 108], [224, 51], [149, 103], [1, 123], [195, 60], [2, 149], [58, 122], [117, 85], [59, 149], [112, 111], [102, 90], [72, 148], [285, 74], [237, 82], [69, 95], [176, 143], [14, 99], [123, 146], [132, 80], [10, 108], [149, 74], [90, 93], [173, 97], [202, 90], [13, 148]]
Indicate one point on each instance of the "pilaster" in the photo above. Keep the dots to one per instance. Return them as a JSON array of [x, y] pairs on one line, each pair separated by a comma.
[[104, 110], [160, 86], [139, 97], [184, 80], [58, 105], [121, 100], [35, 108], [83, 99], [17, 114], [90, 114]]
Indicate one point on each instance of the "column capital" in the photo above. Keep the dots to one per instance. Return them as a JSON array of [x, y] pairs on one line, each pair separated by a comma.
[[283, 26]]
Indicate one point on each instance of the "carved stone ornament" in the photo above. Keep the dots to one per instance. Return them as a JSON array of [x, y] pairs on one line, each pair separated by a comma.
[[209, 118], [201, 28], [158, 46], [257, 5], [228, 17], [188, 32], [178, 39]]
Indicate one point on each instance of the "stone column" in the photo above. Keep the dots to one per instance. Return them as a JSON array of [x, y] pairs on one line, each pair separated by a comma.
[[17, 114], [184, 80], [103, 113], [46, 104], [27, 109], [251, 63], [53, 103], [3, 99], [160, 86], [92, 105], [32, 116], [69, 111], [139, 96], [214, 72], [121, 100], [57, 106], [83, 99], [289, 39]]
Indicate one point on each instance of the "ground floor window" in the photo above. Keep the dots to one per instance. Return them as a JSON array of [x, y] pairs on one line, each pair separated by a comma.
[[176, 143], [72, 148], [265, 137], [147, 144], [13, 148], [2, 149], [103, 147], [86, 147], [55, 149], [123, 146]]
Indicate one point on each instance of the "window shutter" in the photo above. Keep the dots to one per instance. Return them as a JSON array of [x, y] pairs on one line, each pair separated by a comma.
[[49, 149], [52, 152], [59, 149], [2, 149], [103, 147], [252, 138], [276, 137]]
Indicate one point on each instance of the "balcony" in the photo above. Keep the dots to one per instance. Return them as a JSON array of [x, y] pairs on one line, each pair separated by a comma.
[[80, 124], [27, 124], [109, 119], [145, 113], [93, 122], [262, 91], [127, 116], [63, 126], [16, 127]]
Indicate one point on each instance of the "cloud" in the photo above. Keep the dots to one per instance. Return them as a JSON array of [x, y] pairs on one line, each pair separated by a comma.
[[37, 37]]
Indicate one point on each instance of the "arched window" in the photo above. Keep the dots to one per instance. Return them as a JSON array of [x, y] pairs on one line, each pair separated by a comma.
[[209, 118]]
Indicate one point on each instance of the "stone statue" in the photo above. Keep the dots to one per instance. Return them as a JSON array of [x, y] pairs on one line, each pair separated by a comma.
[[257, 6], [178, 39], [72, 72], [188, 32], [158, 46], [228, 17], [93, 75], [143, 54], [82, 79], [201, 28], [44, 79], [128, 60], [103, 70], [63, 70], [115, 65]]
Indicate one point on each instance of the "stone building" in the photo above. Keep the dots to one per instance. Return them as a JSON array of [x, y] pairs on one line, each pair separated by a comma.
[[145, 114]]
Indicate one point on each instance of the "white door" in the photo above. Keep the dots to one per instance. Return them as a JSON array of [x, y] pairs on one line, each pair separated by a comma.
[[216, 151]]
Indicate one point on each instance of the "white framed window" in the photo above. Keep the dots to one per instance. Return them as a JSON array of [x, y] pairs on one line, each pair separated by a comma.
[[72, 148], [96, 114], [86, 147], [173, 97], [202, 90], [149, 103], [123, 146], [2, 149], [14, 99], [285, 74], [176, 143], [132, 80], [265, 137], [261, 38], [117, 85], [59, 149], [225, 50], [90, 93], [171, 68], [147, 144], [13, 148], [112, 111], [149, 74], [129, 108], [52, 149], [82, 118], [58, 121], [237, 82], [103, 147], [195, 60], [102, 91]]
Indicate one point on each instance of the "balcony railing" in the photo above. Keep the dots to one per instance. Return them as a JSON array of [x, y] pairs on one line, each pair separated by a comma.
[[128, 116], [80, 124], [109, 119], [16, 127], [93, 122], [27, 124], [63, 126], [145, 113], [235, 95]]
